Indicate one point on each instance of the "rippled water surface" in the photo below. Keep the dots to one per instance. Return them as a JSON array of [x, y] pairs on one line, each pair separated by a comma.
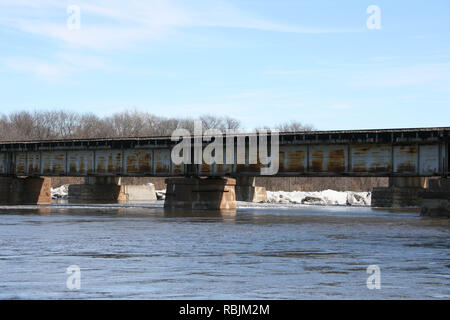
[[141, 252]]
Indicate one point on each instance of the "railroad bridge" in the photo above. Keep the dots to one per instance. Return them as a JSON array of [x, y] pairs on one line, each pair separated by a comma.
[[407, 156]]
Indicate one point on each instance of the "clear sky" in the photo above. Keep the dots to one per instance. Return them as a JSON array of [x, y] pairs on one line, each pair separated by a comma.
[[263, 62]]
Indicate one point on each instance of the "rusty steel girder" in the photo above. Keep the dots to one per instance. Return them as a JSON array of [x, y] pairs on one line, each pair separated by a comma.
[[399, 152]]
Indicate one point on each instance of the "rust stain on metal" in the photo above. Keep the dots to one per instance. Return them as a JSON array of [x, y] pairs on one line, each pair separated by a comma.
[[73, 160], [429, 159], [81, 162], [328, 158], [317, 158], [178, 169], [139, 162], [89, 168], [247, 167], [406, 168], [145, 162], [406, 158], [2, 163], [162, 161], [223, 168], [336, 161], [371, 158], [111, 167], [34, 163], [54, 163], [21, 159], [205, 168], [296, 161], [117, 163], [100, 163], [292, 159], [131, 163], [282, 160], [323, 158], [408, 150], [240, 168], [59, 163], [109, 162], [45, 163], [255, 168]]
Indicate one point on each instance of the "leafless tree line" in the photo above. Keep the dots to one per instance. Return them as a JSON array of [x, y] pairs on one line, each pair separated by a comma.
[[47, 125]]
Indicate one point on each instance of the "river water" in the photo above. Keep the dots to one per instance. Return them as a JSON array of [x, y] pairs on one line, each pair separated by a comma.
[[274, 252]]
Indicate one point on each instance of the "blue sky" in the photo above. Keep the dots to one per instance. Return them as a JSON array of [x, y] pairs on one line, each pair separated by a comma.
[[262, 62]]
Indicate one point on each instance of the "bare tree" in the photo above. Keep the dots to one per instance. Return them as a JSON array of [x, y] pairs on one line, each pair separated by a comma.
[[294, 126], [128, 123], [66, 124], [21, 125], [211, 122], [220, 123], [231, 123], [91, 126], [5, 129], [44, 125]]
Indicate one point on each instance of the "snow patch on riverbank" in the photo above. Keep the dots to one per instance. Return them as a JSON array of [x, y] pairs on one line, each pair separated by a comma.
[[161, 194], [326, 197], [61, 192]]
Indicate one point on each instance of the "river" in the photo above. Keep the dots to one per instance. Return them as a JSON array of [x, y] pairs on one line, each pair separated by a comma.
[[263, 252]]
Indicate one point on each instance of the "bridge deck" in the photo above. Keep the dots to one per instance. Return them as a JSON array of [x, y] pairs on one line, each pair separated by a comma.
[[389, 152]]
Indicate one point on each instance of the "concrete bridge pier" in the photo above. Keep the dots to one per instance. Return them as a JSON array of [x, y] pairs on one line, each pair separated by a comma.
[[25, 191], [103, 180], [436, 198], [199, 193], [246, 190], [402, 192], [97, 189], [109, 190]]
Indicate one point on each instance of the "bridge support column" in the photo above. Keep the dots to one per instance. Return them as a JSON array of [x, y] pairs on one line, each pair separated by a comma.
[[436, 199], [22, 191], [103, 180], [402, 192], [109, 190], [246, 190], [200, 193], [96, 189]]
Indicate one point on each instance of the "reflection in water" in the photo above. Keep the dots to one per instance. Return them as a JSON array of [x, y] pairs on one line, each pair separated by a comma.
[[228, 215], [44, 211], [140, 251]]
